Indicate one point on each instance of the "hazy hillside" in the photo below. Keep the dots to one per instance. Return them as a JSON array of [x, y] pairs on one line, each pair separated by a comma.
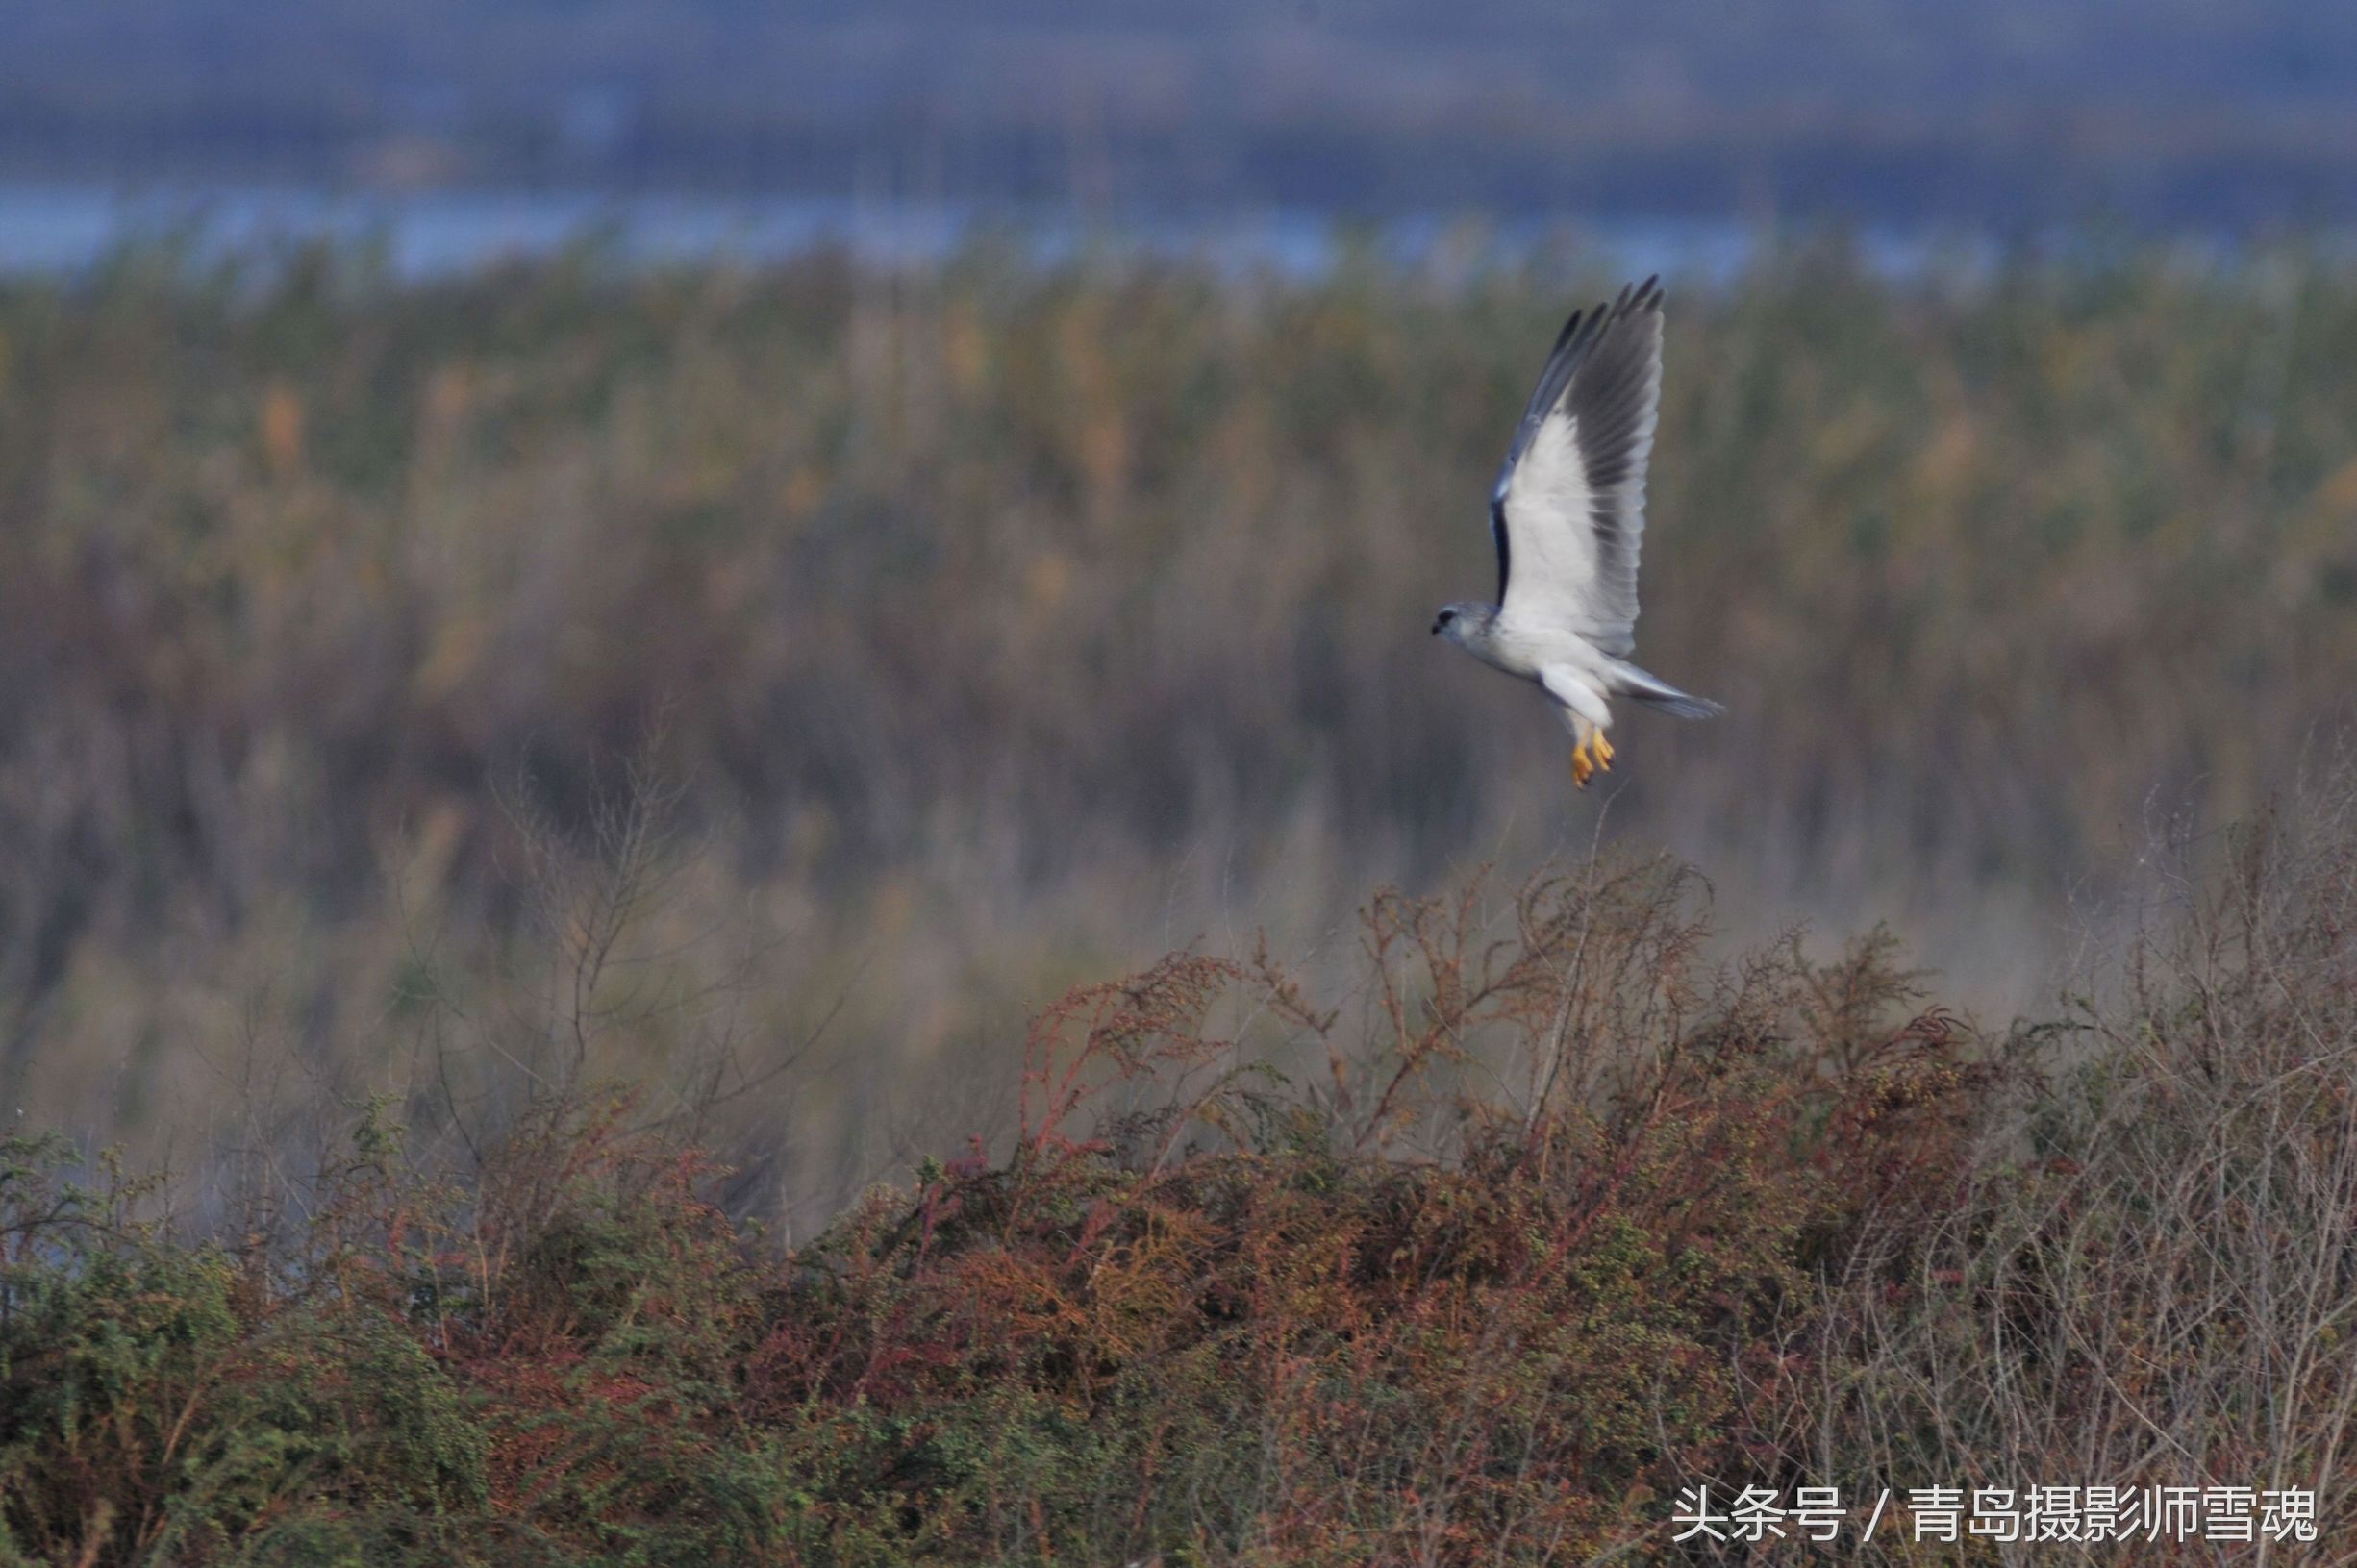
[[1899, 109]]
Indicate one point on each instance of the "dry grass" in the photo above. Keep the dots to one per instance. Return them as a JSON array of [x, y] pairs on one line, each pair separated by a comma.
[[2149, 1276], [1005, 629]]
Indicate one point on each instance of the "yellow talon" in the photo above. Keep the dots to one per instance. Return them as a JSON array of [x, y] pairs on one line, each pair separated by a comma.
[[1604, 751], [1581, 767]]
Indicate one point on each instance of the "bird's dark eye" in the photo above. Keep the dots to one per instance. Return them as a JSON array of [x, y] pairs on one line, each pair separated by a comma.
[[1448, 616]]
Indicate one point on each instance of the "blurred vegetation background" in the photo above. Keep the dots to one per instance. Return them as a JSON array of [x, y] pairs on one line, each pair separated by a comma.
[[771, 684]]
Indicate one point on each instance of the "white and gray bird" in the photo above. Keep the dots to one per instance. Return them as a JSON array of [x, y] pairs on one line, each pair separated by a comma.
[[1568, 514]]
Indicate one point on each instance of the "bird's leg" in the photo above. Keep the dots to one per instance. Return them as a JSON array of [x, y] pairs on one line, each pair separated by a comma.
[[1582, 769], [1603, 749]]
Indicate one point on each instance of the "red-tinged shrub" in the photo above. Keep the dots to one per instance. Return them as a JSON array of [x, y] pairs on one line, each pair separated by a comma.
[[1559, 1219], [1238, 1328]]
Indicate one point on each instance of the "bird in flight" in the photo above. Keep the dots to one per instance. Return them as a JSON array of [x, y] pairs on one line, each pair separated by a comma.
[[1568, 514]]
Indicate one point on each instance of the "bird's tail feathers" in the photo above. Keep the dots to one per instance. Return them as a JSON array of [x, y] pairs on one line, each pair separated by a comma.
[[1655, 692]]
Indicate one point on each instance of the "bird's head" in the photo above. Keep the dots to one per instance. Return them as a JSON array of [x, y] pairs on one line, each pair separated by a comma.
[[1462, 622]]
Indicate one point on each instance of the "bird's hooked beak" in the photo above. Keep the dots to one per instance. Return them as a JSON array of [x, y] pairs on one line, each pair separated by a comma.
[[1436, 627]]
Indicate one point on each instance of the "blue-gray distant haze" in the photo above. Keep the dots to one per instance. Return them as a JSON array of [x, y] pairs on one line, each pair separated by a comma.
[[2179, 113]]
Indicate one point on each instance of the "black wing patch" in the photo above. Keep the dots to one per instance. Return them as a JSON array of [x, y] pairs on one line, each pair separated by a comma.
[[1610, 407]]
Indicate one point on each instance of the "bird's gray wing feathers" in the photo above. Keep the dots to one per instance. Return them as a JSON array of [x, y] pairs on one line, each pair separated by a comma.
[[1569, 512]]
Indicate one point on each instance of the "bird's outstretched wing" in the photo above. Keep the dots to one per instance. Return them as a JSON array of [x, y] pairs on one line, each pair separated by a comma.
[[1569, 512]]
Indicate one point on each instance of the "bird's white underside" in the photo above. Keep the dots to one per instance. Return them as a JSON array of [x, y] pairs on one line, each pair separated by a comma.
[[1548, 507], [1569, 547], [1555, 614]]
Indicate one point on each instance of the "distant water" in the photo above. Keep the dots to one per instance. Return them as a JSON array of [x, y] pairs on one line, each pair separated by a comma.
[[65, 229]]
